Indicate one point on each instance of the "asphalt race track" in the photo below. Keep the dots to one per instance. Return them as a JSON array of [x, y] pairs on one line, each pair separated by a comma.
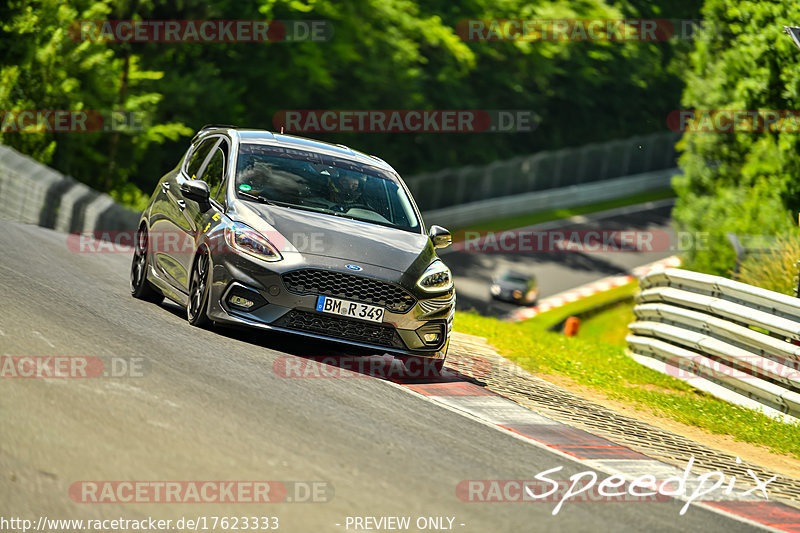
[[210, 407], [562, 270]]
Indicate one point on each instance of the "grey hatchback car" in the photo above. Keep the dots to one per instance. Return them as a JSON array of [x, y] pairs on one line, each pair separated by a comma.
[[277, 232]]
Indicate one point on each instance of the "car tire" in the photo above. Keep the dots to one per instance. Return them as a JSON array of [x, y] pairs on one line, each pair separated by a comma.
[[141, 288], [198, 290]]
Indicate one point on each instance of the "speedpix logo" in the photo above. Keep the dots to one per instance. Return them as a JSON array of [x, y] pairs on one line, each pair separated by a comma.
[[588, 487]]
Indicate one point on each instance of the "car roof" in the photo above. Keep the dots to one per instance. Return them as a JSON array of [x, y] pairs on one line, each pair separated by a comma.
[[301, 143], [507, 272]]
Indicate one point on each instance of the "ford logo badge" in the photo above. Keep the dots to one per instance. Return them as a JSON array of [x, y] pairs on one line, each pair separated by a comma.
[[353, 267]]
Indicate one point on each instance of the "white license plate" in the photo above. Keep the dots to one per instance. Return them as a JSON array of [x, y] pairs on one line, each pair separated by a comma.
[[335, 306]]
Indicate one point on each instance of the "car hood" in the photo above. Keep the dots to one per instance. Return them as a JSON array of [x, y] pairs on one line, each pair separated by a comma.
[[318, 235]]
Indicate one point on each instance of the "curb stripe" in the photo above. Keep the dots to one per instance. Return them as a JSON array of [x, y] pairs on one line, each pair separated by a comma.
[[575, 442], [592, 288], [554, 435], [596, 452], [455, 388], [600, 452], [771, 514]]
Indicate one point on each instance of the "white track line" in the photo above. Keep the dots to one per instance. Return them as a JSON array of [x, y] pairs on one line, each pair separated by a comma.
[[44, 338], [604, 466]]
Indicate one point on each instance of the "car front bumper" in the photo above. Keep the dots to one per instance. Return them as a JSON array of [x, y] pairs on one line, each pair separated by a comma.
[[244, 279]]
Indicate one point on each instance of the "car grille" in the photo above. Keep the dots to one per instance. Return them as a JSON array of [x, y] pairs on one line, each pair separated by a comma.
[[340, 328], [347, 286]]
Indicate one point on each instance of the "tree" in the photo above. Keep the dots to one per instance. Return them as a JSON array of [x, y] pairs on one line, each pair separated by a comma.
[[45, 67], [383, 54], [744, 182]]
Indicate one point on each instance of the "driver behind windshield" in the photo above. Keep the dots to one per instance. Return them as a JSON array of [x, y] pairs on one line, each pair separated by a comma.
[[347, 190], [307, 183]]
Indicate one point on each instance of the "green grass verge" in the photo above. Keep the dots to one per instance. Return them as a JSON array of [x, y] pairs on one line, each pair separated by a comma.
[[604, 367], [610, 325], [549, 319], [521, 221]]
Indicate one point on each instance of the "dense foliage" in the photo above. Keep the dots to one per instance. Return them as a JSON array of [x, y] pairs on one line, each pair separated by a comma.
[[384, 54], [746, 182]]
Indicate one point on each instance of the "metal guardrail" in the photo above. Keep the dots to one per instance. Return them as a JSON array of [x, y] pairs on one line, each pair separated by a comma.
[[33, 193], [546, 170], [564, 197], [709, 330]]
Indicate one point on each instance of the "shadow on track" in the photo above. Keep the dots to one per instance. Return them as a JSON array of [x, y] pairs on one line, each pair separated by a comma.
[[305, 357]]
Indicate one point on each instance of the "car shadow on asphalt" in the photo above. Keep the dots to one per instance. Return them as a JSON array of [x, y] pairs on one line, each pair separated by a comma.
[[308, 357]]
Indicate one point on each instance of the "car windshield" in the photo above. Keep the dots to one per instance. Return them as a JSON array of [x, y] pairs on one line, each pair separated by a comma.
[[512, 277], [325, 184]]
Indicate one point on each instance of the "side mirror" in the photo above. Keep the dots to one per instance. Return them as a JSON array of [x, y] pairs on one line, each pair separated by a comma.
[[198, 191], [440, 237]]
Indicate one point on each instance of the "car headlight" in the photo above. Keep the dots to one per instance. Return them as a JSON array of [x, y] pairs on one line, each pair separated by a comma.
[[249, 241], [437, 277]]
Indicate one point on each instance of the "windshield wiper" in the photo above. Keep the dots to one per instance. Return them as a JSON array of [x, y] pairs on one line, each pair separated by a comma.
[[264, 200], [256, 197]]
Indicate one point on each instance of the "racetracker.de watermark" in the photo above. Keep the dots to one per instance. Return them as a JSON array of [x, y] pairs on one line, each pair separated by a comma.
[[71, 121], [552, 491], [62, 366], [201, 31], [173, 242], [345, 367], [750, 367], [734, 121], [577, 30], [406, 120], [580, 241], [201, 491]]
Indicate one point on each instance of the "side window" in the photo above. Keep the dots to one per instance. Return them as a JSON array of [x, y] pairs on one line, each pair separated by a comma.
[[220, 196], [214, 173], [199, 156]]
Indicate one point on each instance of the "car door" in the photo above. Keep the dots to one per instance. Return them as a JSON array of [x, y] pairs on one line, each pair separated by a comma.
[[213, 172], [173, 232]]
